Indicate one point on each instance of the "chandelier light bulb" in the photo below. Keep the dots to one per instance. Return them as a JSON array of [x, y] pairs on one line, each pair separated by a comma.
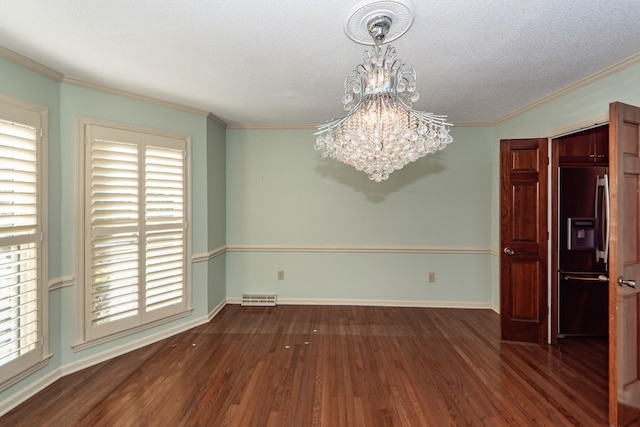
[[381, 132]]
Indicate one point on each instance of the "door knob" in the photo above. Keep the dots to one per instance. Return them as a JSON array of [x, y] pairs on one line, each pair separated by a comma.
[[509, 251], [630, 283]]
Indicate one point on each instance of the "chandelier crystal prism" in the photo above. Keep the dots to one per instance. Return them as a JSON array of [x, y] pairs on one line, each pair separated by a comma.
[[381, 132]]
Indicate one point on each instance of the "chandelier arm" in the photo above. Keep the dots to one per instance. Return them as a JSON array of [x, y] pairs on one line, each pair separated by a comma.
[[390, 50], [407, 70], [408, 76], [334, 123], [328, 126], [397, 64], [428, 117], [361, 69], [351, 80]]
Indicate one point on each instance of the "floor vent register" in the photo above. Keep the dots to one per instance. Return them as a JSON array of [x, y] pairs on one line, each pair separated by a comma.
[[252, 300]]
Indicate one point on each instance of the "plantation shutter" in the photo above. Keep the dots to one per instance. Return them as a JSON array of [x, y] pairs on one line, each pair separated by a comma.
[[20, 326], [164, 187], [136, 206]]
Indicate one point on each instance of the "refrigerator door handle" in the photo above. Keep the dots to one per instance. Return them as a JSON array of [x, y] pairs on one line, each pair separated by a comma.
[[604, 227], [596, 215], [606, 219], [600, 278]]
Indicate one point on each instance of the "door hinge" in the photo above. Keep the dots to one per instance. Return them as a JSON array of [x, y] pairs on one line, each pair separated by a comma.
[[41, 133]]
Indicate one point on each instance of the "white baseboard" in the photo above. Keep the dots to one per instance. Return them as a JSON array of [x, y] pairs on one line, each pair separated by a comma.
[[377, 303], [39, 385], [213, 313], [27, 392], [134, 345]]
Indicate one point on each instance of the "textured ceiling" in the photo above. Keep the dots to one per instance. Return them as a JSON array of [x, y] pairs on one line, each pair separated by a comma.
[[284, 63]]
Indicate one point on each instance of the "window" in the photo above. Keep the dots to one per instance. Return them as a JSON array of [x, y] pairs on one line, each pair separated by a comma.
[[135, 220], [22, 249]]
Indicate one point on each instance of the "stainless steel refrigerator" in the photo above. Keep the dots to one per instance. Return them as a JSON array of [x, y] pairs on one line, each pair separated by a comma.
[[583, 252]]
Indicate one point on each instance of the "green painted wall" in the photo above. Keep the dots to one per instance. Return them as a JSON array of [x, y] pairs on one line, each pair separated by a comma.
[[217, 211], [282, 193]]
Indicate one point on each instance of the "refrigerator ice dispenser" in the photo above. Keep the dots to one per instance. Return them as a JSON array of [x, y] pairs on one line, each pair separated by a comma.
[[582, 234]]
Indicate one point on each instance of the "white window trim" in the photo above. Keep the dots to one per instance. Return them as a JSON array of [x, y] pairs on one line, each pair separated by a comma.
[[81, 341], [43, 220]]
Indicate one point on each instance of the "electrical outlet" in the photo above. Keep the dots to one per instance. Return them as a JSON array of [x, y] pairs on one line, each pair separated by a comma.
[[432, 277], [280, 274]]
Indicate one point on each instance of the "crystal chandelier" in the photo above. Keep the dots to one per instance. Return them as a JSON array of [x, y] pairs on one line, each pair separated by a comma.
[[381, 132]]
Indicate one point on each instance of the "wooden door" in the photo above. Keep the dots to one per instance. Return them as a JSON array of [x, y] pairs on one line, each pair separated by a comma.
[[624, 264], [523, 238]]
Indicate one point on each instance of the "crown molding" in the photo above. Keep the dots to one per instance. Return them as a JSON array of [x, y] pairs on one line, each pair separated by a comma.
[[131, 95], [30, 64], [470, 124], [315, 127], [218, 120], [581, 83], [272, 126], [55, 75], [589, 123]]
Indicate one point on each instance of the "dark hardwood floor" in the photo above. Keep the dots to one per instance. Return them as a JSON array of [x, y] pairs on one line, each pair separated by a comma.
[[335, 366]]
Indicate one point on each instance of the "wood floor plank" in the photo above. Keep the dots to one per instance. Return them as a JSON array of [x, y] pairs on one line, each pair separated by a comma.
[[335, 366]]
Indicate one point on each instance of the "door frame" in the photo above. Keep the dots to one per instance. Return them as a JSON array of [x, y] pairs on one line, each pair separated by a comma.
[[554, 211]]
